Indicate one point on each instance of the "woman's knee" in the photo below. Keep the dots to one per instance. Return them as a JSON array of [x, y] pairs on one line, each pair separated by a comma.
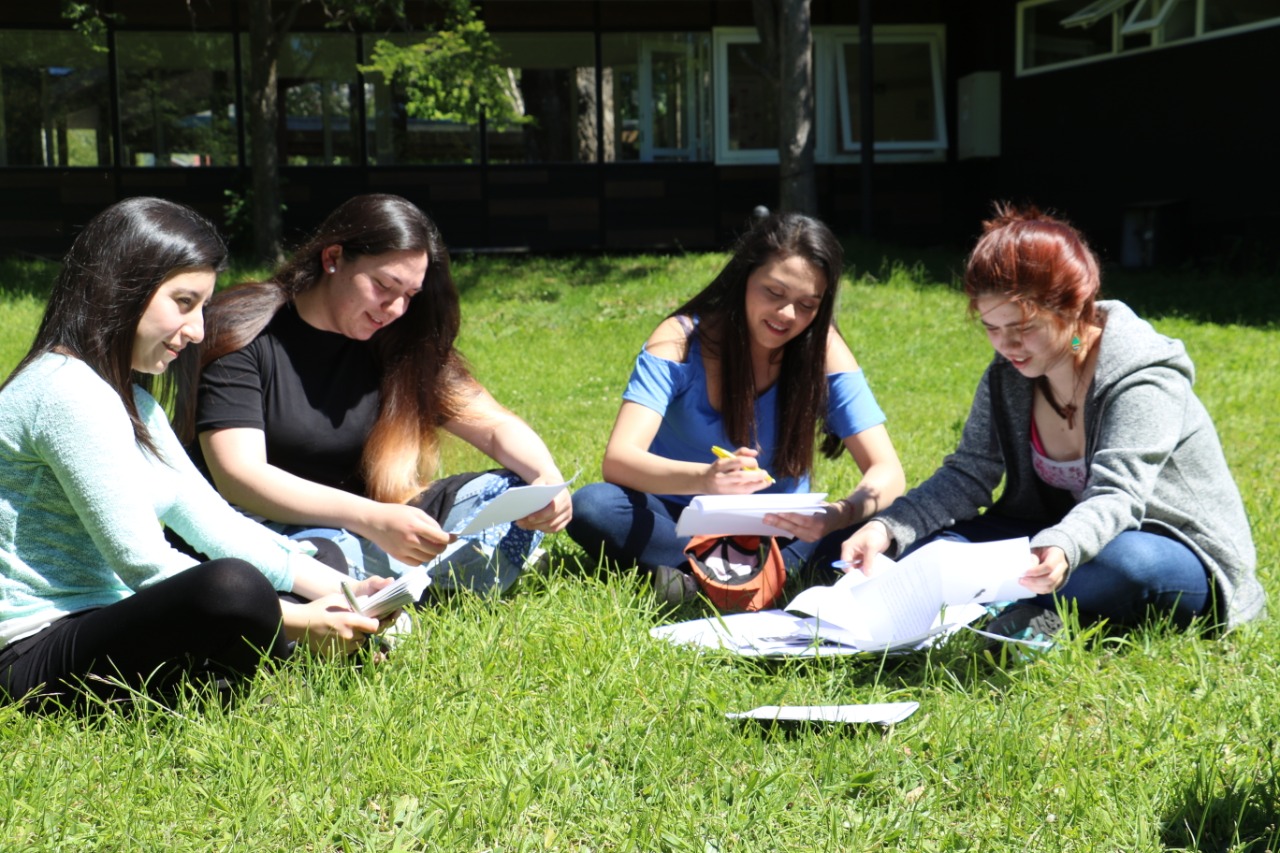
[[1149, 560], [233, 589]]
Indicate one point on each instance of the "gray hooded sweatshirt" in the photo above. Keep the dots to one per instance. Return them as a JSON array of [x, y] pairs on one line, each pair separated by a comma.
[[1153, 457]]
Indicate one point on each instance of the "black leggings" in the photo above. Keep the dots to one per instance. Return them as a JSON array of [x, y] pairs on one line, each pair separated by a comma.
[[214, 620]]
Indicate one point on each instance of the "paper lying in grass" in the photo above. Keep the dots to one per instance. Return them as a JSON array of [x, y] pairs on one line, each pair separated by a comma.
[[512, 505], [909, 604], [400, 593], [722, 515], [883, 713], [776, 633]]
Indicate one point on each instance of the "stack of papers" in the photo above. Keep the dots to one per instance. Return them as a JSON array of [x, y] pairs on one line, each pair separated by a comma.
[[397, 595]]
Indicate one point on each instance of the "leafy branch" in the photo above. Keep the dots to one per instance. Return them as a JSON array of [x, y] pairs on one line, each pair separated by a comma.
[[453, 74]]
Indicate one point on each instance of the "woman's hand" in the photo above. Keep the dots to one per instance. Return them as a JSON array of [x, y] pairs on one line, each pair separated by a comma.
[[552, 518], [327, 625], [1049, 573], [406, 533], [736, 475], [811, 528], [860, 549]]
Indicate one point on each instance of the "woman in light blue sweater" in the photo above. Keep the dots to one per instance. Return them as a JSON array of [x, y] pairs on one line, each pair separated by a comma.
[[93, 598]]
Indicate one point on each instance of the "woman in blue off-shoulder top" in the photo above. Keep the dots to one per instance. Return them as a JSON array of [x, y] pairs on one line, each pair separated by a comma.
[[753, 362]]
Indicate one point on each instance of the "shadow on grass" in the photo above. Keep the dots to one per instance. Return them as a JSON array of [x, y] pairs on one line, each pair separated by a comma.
[[1216, 814], [583, 269], [1201, 294], [27, 277]]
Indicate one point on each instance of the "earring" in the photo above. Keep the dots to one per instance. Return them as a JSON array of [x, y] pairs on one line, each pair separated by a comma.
[[1075, 340], [333, 270]]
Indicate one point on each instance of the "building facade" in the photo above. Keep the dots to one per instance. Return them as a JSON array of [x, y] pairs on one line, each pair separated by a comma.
[[649, 124]]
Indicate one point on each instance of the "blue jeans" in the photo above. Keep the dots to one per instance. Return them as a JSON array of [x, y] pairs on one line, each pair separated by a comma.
[[631, 528], [1135, 575], [488, 561]]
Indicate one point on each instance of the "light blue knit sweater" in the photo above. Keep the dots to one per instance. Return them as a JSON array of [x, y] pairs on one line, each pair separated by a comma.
[[81, 504]]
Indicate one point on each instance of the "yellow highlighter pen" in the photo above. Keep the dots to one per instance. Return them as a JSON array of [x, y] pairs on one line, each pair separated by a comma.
[[747, 463]]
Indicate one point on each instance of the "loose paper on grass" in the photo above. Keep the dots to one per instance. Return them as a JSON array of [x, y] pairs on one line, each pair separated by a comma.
[[908, 604]]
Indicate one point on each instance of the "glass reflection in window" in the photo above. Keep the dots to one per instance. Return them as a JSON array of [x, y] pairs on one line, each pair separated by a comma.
[[54, 100], [177, 99], [553, 77], [657, 96]]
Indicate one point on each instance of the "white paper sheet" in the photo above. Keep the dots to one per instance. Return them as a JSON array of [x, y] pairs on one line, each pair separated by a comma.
[[883, 713], [513, 504], [778, 634], [723, 515]]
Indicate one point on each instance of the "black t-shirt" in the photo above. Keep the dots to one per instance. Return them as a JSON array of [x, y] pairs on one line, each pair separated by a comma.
[[313, 394]]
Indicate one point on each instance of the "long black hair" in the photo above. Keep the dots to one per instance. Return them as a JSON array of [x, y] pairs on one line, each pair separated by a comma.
[[724, 334], [108, 277], [424, 379]]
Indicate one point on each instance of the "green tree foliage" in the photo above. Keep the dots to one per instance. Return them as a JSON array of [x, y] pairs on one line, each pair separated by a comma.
[[90, 21], [453, 74]]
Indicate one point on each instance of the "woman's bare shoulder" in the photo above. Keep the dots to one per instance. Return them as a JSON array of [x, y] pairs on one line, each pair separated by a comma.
[[670, 340]]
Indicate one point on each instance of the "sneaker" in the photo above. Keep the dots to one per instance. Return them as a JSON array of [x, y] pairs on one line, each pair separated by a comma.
[[673, 586], [1027, 623]]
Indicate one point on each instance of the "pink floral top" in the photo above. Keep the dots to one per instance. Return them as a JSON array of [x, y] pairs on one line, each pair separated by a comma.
[[1071, 475]]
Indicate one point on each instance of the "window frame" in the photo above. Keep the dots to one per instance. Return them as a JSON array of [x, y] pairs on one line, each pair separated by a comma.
[[721, 39], [1120, 29], [1133, 25], [828, 86], [828, 42]]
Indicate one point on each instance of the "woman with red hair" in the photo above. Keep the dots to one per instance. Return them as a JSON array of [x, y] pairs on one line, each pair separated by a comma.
[[1110, 463]]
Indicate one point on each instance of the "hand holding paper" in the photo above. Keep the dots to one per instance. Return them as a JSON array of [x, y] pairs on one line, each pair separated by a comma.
[[718, 515], [397, 595], [902, 600], [513, 505]]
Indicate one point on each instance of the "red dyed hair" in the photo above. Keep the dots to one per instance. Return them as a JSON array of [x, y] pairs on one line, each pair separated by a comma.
[[1037, 261]]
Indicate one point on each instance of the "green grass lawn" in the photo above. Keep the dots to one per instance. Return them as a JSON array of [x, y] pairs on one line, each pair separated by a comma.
[[549, 720]]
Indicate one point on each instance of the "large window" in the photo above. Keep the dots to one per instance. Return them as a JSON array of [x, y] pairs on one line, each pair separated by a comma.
[[177, 99], [54, 100], [1060, 33], [657, 96], [909, 106], [553, 79], [746, 100], [396, 138], [318, 91]]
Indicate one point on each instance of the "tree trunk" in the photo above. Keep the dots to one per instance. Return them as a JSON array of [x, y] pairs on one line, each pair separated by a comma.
[[264, 144], [797, 180]]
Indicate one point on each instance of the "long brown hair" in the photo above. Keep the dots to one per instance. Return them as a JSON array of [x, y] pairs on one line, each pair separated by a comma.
[[108, 278], [425, 381], [723, 332]]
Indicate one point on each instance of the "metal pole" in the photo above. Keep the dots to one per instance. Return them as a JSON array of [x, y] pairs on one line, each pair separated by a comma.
[[866, 99]]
